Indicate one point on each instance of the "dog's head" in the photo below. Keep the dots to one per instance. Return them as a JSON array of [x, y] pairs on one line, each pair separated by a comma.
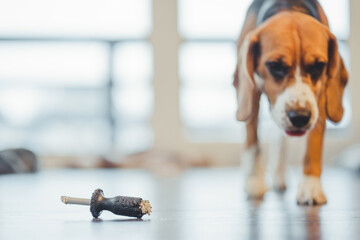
[[294, 60]]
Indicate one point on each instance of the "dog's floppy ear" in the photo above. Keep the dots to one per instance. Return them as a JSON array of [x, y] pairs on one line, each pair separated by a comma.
[[244, 77], [336, 82]]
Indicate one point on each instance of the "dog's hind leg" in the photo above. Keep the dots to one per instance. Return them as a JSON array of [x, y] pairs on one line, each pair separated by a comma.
[[252, 160]]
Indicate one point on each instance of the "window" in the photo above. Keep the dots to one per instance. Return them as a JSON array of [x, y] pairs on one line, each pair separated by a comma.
[[75, 79], [207, 59]]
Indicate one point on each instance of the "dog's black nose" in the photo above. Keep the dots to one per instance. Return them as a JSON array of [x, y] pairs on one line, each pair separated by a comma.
[[299, 118]]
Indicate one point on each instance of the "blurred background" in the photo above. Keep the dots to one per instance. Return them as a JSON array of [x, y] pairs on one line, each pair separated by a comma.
[[83, 80]]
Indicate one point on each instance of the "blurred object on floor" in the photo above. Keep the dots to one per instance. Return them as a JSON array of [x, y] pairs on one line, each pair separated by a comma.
[[59, 161], [163, 163], [350, 158], [18, 161]]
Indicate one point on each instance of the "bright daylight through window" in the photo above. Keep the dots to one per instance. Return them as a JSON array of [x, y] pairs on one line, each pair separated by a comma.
[[75, 83]]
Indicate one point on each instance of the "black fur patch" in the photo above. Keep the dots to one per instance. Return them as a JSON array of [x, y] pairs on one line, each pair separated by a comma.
[[305, 6]]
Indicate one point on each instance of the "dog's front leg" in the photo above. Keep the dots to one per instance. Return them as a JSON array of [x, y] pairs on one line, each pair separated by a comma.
[[252, 161], [277, 161], [310, 190]]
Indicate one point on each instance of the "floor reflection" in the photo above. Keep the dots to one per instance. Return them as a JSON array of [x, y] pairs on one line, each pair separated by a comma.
[[277, 218], [253, 224], [313, 223]]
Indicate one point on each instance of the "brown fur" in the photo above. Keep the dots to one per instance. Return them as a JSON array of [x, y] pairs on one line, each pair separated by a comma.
[[316, 42]]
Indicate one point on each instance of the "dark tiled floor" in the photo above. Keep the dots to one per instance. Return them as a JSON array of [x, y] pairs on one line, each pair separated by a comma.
[[199, 204]]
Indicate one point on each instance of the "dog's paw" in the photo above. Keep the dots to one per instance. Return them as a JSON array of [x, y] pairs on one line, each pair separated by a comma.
[[255, 186], [310, 192], [279, 183]]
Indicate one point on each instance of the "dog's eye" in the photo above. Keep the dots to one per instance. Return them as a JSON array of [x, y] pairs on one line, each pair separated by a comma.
[[316, 70], [277, 69]]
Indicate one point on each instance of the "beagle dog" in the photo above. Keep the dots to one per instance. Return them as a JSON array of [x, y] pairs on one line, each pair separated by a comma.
[[286, 51]]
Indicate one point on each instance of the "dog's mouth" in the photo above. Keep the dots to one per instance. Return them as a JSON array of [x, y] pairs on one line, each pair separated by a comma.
[[295, 133]]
